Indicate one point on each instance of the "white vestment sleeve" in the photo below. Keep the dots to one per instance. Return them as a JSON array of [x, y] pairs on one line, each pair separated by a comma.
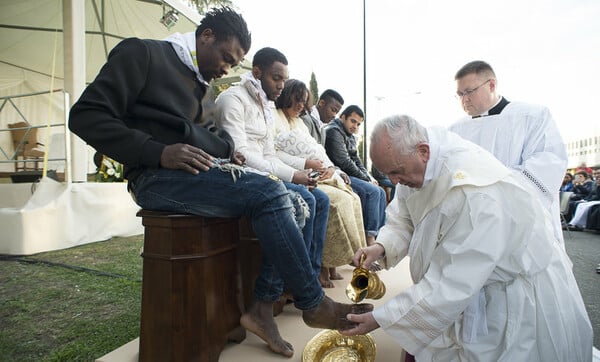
[[544, 155]]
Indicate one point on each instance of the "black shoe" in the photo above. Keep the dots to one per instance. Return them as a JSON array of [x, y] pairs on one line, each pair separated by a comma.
[[574, 228]]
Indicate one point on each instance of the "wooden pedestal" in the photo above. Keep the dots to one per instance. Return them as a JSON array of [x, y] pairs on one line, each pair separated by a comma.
[[192, 290]]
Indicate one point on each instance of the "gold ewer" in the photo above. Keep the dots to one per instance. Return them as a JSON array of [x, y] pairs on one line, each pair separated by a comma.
[[364, 284]]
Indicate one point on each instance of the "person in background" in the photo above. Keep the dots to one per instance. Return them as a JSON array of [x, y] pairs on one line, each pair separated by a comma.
[[584, 189], [583, 206], [567, 184], [340, 145], [316, 118], [582, 184], [524, 137], [584, 167], [491, 281], [144, 110]]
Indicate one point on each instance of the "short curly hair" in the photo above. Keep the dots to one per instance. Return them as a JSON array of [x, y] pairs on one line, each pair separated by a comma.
[[225, 24]]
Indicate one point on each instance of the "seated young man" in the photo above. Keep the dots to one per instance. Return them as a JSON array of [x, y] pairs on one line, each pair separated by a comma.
[[340, 145], [316, 118]]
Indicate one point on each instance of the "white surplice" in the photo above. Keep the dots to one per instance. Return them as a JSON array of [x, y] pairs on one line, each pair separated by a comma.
[[477, 235], [524, 137]]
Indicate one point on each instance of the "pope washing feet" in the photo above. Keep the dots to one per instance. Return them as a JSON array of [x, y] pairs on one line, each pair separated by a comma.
[[327, 315]]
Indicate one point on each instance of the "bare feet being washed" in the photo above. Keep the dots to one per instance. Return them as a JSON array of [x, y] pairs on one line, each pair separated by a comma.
[[259, 320], [332, 315]]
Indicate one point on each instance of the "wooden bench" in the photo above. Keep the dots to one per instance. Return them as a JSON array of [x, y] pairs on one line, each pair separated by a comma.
[[198, 278]]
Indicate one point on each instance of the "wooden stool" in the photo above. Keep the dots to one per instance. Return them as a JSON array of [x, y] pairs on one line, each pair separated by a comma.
[[192, 290]]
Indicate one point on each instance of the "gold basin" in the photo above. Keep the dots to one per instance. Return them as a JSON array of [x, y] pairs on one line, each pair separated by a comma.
[[329, 346]]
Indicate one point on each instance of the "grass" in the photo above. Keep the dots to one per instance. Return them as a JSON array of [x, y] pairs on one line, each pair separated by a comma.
[[76, 304]]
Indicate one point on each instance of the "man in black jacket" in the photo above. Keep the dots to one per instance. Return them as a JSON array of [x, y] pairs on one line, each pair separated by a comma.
[[144, 109], [340, 145]]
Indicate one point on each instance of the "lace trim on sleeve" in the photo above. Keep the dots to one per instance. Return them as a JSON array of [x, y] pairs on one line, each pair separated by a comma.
[[538, 184]]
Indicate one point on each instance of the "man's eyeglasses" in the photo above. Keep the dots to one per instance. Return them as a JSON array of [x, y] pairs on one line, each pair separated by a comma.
[[469, 92]]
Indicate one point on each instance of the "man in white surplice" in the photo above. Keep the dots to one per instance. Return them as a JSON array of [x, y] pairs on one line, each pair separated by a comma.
[[524, 137], [491, 281]]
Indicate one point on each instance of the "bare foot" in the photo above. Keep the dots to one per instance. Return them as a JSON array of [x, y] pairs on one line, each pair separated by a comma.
[[332, 315], [324, 279], [334, 275], [259, 320]]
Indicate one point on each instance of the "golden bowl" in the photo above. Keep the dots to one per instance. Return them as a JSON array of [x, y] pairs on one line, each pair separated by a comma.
[[329, 346]]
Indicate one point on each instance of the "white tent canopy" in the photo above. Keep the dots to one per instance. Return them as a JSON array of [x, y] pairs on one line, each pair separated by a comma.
[[47, 47]]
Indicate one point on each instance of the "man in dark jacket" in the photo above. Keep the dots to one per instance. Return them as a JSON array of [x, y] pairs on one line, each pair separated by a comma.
[[144, 110], [340, 145]]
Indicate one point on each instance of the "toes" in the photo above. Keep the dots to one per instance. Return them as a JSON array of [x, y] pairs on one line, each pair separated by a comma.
[[326, 283], [289, 346], [284, 350]]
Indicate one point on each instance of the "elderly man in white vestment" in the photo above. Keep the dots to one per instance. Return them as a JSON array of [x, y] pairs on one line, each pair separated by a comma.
[[491, 281], [524, 137]]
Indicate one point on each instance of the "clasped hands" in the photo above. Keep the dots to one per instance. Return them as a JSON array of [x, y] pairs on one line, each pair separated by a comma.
[[181, 156], [303, 177]]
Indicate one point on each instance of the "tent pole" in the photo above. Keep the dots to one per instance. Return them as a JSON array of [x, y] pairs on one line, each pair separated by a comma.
[[74, 68]]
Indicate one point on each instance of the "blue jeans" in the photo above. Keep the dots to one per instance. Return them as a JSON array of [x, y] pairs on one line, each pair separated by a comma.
[[373, 202], [265, 201], [316, 225]]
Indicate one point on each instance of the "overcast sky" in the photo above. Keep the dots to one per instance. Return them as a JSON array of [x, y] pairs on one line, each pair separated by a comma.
[[543, 51]]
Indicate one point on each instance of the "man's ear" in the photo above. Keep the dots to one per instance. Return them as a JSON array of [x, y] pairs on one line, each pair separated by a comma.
[[206, 35], [423, 151], [492, 85], [256, 72]]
